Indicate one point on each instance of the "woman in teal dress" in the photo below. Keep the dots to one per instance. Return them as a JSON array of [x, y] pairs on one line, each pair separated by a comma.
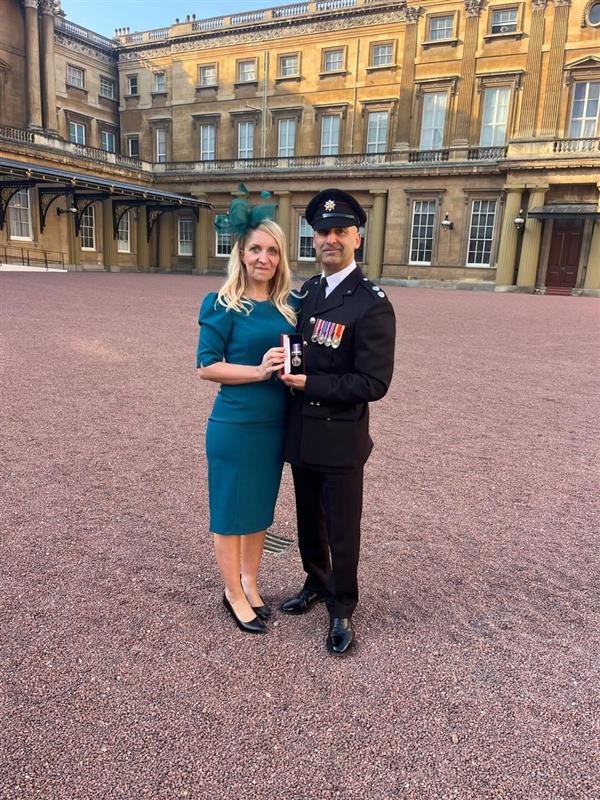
[[239, 348]]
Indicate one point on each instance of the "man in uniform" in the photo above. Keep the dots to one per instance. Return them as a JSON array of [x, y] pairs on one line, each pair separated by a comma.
[[348, 327]]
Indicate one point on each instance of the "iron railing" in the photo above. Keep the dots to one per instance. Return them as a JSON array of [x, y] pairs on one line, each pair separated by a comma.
[[32, 257]]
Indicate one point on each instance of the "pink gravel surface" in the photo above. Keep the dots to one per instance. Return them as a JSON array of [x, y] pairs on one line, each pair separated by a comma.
[[476, 670]]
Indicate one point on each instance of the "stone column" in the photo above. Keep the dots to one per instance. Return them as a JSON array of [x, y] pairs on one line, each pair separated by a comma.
[[464, 100], [165, 241], [108, 240], [592, 275], [74, 249], [284, 214], [143, 247], [554, 81], [48, 73], [530, 249], [201, 238], [376, 234], [407, 77], [32, 61], [532, 78], [509, 237]]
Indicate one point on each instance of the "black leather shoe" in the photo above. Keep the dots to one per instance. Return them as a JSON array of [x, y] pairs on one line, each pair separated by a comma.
[[254, 626], [301, 603], [262, 612], [341, 635]]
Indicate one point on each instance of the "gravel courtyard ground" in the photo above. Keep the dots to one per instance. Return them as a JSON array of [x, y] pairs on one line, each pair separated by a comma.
[[477, 669]]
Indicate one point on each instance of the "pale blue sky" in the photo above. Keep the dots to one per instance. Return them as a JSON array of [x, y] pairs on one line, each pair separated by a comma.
[[103, 16]]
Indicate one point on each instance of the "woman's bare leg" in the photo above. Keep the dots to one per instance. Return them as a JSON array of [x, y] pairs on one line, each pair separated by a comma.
[[252, 547], [228, 552]]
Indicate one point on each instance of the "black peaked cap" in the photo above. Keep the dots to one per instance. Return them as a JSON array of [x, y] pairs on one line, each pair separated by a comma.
[[333, 208]]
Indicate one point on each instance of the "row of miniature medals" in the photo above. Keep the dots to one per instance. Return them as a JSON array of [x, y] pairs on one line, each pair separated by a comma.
[[328, 333]]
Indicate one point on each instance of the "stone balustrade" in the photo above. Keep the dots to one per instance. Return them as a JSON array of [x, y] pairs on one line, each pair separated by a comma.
[[83, 33]]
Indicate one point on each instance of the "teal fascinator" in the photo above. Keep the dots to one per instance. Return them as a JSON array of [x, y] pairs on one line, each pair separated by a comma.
[[242, 216]]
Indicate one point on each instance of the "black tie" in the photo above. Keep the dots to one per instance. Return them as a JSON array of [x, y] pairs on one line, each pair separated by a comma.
[[321, 292]]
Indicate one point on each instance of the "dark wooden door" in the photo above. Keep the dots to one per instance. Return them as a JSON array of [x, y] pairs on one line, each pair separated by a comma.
[[565, 249]]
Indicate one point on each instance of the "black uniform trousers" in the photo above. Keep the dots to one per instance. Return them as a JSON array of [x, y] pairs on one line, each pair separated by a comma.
[[329, 508]]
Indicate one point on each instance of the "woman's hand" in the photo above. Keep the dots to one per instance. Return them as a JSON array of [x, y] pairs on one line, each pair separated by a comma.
[[272, 362]]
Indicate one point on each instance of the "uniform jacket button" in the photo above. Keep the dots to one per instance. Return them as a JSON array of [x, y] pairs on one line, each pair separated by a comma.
[[312, 320]]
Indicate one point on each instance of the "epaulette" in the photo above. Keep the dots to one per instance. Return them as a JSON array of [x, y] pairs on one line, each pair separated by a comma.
[[372, 288]]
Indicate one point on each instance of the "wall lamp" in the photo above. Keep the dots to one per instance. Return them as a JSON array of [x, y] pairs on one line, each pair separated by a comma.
[[520, 220], [71, 210], [447, 223]]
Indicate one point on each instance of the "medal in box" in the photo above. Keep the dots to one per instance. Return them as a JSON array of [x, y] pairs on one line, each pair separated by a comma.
[[293, 346]]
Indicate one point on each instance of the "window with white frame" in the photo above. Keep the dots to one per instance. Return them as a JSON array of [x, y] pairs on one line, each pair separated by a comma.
[[207, 75], [481, 233], [289, 65], [377, 131], [333, 60], [245, 140], [433, 120], [161, 145], [133, 146], [87, 229], [108, 141], [286, 138], [246, 71], [75, 77], [208, 141], [306, 251], [76, 133], [223, 244], [160, 82], [132, 84], [330, 134], [421, 239], [584, 111], [19, 216], [107, 87], [495, 116], [504, 20], [593, 15], [123, 234], [382, 54], [441, 28], [186, 237]]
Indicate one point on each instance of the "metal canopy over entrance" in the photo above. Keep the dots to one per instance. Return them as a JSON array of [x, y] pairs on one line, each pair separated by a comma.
[[566, 211]]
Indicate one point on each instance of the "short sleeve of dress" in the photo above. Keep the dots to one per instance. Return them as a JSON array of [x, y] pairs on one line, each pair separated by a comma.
[[215, 328]]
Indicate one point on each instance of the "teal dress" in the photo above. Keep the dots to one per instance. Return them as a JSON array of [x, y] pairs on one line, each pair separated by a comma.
[[245, 431]]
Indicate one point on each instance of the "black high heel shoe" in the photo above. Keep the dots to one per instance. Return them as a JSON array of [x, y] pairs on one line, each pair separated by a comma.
[[262, 612], [255, 625]]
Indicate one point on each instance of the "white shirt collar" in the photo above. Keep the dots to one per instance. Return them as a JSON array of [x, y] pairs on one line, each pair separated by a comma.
[[334, 280]]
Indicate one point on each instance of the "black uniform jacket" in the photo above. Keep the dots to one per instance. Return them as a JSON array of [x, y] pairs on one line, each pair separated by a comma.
[[328, 423]]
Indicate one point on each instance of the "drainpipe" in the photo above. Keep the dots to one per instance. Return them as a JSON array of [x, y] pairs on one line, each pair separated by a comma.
[[354, 96], [263, 146]]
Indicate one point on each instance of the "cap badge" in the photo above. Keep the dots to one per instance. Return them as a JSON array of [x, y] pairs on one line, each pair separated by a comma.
[[329, 205]]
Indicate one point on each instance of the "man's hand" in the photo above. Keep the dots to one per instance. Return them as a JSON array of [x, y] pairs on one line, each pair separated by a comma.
[[294, 381]]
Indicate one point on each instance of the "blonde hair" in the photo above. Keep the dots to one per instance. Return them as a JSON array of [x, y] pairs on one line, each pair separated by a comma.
[[231, 294]]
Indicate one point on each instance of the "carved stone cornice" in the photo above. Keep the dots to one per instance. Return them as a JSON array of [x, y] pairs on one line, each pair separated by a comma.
[[473, 8], [86, 49]]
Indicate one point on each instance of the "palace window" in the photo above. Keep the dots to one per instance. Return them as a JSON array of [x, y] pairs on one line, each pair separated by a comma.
[[133, 146], [223, 244], [76, 133], [330, 135], [359, 254], [107, 88], [377, 131], [584, 112], [108, 141], [160, 83], [161, 145], [132, 85], [481, 233], [208, 141], [289, 65], [593, 14], [505, 20], [495, 116], [286, 138], [246, 71], [333, 60], [185, 237], [433, 120], [75, 77], [87, 229], [421, 240], [245, 140], [19, 216], [306, 251], [207, 75], [441, 28], [123, 234], [382, 55]]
